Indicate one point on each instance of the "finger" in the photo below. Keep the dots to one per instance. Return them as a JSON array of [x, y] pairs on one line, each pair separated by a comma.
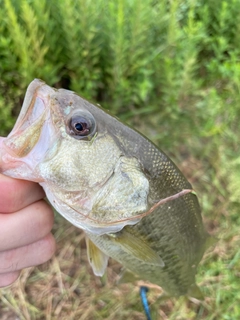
[[17, 194], [25, 226], [7, 279], [27, 256]]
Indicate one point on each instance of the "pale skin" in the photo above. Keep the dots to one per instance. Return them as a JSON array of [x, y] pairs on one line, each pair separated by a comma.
[[26, 221]]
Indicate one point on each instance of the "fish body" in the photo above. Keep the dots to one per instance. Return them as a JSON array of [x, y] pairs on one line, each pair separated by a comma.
[[108, 180]]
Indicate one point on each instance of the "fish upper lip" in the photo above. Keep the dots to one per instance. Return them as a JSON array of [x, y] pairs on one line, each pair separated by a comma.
[[37, 90], [29, 100]]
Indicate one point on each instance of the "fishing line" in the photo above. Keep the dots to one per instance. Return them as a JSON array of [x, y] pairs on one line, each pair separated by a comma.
[[143, 294]]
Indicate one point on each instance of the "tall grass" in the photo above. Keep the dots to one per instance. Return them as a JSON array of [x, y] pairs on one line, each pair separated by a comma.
[[169, 57], [171, 69]]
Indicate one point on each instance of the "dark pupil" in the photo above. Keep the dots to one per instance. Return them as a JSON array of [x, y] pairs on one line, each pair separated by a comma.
[[78, 126]]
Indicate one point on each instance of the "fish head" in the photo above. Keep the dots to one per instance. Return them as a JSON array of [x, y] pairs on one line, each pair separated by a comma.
[[74, 150]]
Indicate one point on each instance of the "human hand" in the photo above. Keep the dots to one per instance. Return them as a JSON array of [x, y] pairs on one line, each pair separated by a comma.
[[25, 224]]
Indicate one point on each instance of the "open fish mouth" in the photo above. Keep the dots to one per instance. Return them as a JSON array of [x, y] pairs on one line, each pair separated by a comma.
[[27, 130], [26, 144], [26, 133], [34, 105]]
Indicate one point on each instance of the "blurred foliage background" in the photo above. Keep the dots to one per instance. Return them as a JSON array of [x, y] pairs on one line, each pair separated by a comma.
[[171, 69]]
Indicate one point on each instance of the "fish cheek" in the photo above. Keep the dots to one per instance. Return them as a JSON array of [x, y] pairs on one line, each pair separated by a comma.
[[124, 195]]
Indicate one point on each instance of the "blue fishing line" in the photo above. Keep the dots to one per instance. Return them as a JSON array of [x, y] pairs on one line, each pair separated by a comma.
[[143, 294]]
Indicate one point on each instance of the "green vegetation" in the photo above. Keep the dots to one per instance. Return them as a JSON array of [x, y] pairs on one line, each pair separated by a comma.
[[169, 68]]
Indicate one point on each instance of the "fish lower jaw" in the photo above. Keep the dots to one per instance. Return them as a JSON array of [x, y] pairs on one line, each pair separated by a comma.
[[87, 224], [83, 220]]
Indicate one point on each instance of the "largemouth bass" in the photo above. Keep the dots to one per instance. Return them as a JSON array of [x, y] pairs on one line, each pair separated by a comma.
[[131, 200]]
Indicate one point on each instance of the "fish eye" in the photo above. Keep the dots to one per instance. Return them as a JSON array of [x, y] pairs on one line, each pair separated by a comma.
[[81, 125]]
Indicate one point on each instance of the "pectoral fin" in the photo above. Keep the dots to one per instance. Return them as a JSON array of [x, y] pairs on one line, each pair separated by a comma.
[[137, 247], [97, 259]]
